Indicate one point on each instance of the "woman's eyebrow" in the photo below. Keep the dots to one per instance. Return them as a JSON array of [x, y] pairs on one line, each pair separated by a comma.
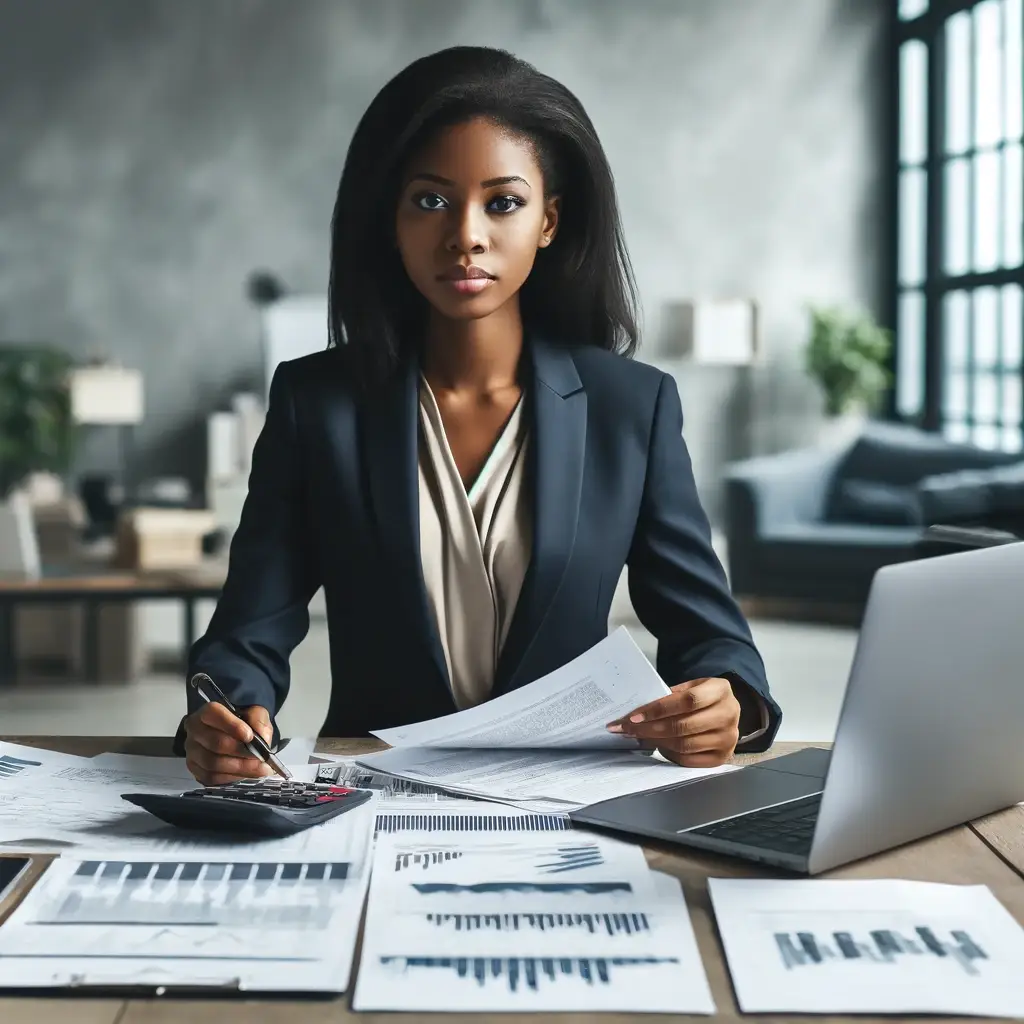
[[489, 183]]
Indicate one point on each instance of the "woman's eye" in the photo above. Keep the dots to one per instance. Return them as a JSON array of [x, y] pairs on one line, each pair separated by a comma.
[[507, 203], [430, 201]]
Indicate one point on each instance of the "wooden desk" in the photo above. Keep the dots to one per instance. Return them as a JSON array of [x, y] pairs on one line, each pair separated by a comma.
[[95, 588], [988, 852]]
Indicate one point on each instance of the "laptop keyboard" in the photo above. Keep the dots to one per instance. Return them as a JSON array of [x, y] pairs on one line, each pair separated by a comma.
[[787, 828]]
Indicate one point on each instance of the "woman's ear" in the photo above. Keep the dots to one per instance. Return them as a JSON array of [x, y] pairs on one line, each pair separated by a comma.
[[549, 227]]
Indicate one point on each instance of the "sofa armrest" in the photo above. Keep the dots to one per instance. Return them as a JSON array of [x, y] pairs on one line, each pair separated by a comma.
[[776, 490]]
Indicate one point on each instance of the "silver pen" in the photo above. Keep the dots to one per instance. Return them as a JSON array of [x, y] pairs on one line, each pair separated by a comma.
[[259, 748]]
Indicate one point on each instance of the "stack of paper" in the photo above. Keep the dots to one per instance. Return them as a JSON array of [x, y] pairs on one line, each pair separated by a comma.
[[247, 920], [52, 802], [411, 807], [526, 923], [543, 746], [886, 946]]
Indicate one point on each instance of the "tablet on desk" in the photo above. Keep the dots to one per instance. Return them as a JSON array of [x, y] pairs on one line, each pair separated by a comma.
[[11, 869]]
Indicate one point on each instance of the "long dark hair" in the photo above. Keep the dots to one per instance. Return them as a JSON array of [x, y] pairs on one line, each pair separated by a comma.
[[581, 289]]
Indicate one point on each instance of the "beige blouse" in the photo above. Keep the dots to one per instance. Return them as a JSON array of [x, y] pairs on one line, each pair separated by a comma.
[[474, 546]]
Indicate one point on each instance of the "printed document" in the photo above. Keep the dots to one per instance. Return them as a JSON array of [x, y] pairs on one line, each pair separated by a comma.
[[567, 709], [78, 806], [536, 779], [569, 922], [214, 920], [878, 947]]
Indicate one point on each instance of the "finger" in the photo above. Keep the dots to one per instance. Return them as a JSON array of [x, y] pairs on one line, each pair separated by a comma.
[[215, 741], [709, 759], [686, 697], [210, 778], [218, 717], [712, 719], [707, 742], [241, 767], [259, 719]]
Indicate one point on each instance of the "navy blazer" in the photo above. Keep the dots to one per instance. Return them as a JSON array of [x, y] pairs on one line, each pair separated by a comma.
[[333, 502]]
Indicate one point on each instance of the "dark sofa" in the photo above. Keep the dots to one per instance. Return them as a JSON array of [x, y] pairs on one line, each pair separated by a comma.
[[814, 525]]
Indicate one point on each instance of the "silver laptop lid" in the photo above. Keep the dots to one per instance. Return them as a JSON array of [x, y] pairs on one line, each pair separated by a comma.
[[931, 732]]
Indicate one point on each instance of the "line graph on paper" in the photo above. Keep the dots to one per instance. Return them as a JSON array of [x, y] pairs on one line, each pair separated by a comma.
[[520, 888], [517, 974]]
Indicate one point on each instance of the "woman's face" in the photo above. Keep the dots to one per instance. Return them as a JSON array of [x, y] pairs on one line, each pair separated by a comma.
[[471, 217]]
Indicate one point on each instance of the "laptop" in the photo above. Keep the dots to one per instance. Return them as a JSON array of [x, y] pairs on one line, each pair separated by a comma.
[[929, 734]]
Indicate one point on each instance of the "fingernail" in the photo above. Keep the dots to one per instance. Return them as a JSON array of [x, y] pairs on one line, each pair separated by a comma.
[[636, 719], [614, 727]]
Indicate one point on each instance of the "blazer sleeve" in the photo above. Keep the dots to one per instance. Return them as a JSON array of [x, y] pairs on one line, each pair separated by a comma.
[[677, 583], [263, 610]]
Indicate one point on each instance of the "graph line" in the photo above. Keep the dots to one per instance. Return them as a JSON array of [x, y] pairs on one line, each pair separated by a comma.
[[478, 888]]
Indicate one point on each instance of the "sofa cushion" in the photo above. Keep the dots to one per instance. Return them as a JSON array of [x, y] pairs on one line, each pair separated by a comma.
[[843, 548], [973, 494], [1006, 488], [867, 501], [959, 497], [901, 456]]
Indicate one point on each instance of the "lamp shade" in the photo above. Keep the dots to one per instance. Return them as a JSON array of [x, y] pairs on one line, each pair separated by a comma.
[[106, 395]]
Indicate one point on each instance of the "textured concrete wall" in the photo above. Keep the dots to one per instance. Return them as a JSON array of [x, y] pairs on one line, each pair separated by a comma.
[[153, 152]]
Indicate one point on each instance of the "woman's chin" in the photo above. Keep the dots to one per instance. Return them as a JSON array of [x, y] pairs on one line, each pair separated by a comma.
[[469, 307]]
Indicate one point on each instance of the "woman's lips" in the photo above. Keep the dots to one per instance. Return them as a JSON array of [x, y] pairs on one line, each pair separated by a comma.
[[468, 285]]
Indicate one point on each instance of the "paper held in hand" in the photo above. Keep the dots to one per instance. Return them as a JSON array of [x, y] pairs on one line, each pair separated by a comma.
[[546, 743], [567, 709]]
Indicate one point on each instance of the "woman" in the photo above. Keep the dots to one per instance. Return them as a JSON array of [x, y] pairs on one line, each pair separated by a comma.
[[469, 466]]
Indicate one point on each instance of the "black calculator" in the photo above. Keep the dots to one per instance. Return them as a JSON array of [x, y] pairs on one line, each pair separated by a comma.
[[268, 807]]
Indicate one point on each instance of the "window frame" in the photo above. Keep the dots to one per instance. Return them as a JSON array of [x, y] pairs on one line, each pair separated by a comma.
[[929, 27]]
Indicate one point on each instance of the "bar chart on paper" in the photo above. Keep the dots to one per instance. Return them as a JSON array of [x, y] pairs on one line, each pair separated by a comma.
[[878, 946], [552, 860], [297, 896], [881, 946], [11, 766], [516, 973], [653, 983], [607, 924], [439, 821]]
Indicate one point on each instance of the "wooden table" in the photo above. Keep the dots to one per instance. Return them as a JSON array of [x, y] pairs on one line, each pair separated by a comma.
[[96, 588], [987, 852]]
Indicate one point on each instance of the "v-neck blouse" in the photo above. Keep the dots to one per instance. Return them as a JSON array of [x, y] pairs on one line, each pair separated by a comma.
[[474, 547]]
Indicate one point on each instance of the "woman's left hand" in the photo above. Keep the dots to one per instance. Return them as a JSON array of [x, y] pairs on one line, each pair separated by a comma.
[[696, 725]]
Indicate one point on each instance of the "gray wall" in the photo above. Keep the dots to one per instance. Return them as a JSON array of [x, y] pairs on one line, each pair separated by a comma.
[[154, 152]]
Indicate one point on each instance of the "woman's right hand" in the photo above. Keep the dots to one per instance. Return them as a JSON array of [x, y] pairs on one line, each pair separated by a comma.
[[215, 739]]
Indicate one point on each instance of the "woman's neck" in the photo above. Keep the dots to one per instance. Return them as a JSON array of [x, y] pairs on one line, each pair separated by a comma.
[[481, 356]]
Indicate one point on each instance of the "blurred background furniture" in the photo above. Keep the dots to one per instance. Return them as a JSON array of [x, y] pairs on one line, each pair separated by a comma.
[[815, 524], [101, 650]]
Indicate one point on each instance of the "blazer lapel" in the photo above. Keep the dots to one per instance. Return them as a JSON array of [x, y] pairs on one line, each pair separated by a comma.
[[391, 447], [556, 449]]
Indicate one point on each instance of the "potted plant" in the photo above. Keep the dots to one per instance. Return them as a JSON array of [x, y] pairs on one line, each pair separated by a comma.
[[36, 427], [848, 355]]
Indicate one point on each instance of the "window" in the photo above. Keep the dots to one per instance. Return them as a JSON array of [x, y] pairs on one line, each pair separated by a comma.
[[959, 309]]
